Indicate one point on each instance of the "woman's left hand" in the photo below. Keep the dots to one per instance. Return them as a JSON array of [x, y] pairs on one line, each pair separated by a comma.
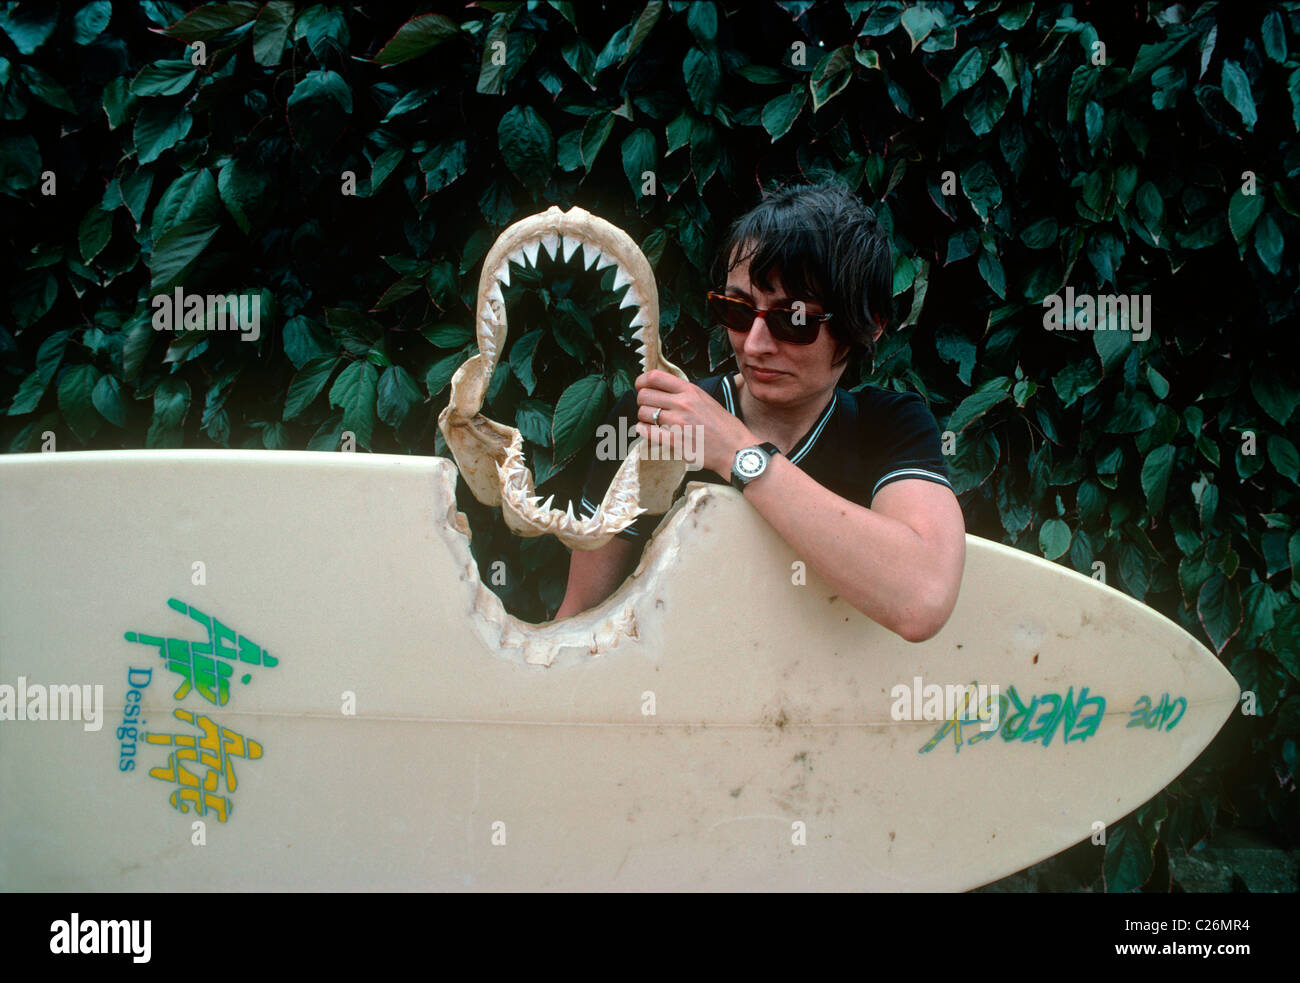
[[682, 405]]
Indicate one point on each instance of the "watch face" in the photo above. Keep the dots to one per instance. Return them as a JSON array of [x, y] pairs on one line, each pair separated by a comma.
[[750, 462]]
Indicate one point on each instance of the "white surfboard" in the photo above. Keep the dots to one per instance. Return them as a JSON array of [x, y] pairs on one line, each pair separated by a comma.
[[333, 699]]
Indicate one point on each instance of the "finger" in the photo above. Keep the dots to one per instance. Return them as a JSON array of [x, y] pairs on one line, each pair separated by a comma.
[[646, 414], [659, 379]]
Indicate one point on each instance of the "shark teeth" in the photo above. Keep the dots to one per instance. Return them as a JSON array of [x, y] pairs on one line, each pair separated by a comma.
[[530, 251], [495, 294], [568, 245], [551, 242], [503, 273], [630, 299], [621, 279], [590, 253]]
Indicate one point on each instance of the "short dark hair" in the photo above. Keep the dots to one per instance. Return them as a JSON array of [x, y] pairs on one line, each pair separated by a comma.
[[826, 245]]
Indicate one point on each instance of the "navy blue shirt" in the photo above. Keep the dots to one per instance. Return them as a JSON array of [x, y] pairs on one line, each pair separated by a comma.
[[860, 443]]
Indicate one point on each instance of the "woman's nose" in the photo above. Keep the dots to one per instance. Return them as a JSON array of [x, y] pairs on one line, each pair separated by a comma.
[[758, 337]]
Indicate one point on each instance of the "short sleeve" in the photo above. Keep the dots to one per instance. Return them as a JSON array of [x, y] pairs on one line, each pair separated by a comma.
[[622, 418], [914, 448]]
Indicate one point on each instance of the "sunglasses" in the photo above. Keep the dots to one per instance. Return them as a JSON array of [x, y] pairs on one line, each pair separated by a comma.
[[790, 326]]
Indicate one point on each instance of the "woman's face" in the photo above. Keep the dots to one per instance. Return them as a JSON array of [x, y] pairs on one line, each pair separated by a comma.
[[777, 372]]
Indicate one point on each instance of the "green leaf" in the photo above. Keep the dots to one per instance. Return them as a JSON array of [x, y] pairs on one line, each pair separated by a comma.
[[399, 394], [1156, 469], [980, 183], [638, 157], [580, 408], [28, 25], [414, 38], [594, 134], [526, 145], [779, 114], [702, 21], [94, 232], [304, 339], [1236, 89], [176, 250], [1112, 347], [1274, 396], [1040, 234], [211, 21], [1284, 457], [978, 403], [322, 85], [164, 78], [1274, 35], [244, 193], [444, 163], [533, 420], [644, 24], [159, 127], [448, 335], [308, 383], [521, 359], [90, 21], [1243, 210], [20, 162], [1218, 607], [271, 32], [107, 397], [1130, 413], [918, 21], [29, 394], [703, 74], [191, 197], [1074, 380], [75, 388], [831, 74], [354, 391], [171, 403], [1054, 538], [441, 371], [47, 89], [1129, 857], [964, 74], [1268, 244]]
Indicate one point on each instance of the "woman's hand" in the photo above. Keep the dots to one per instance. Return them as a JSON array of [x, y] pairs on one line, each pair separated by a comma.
[[683, 406]]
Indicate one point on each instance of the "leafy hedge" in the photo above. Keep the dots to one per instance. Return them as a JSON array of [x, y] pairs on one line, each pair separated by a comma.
[[352, 167]]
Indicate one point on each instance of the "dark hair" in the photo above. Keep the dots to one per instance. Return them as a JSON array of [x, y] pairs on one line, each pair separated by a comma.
[[826, 245]]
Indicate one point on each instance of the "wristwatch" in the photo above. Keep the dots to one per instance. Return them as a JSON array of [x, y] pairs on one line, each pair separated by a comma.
[[750, 462]]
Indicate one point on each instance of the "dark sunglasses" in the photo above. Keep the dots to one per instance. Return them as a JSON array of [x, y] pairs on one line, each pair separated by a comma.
[[790, 326]]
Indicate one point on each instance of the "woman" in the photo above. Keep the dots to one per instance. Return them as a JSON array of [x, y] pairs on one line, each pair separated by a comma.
[[856, 485]]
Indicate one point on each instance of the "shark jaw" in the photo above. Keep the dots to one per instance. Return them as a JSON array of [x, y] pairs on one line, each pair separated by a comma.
[[490, 455]]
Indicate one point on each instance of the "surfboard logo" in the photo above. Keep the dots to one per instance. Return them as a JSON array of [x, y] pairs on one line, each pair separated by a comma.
[[201, 761], [206, 666], [1076, 717]]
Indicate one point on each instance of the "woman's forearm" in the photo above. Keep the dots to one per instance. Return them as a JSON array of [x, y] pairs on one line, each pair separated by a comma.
[[883, 567]]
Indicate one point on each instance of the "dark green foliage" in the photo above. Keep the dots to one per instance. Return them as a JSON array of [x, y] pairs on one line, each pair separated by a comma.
[[1008, 155]]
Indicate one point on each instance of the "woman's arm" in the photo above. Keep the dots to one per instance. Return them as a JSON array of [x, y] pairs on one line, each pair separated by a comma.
[[899, 562], [595, 574]]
